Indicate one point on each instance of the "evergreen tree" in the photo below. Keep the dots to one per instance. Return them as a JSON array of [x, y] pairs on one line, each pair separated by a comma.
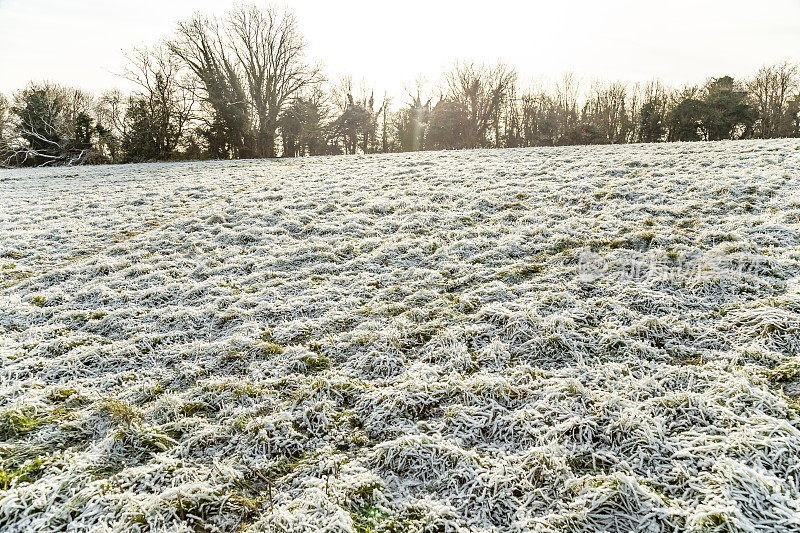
[[686, 120], [727, 112]]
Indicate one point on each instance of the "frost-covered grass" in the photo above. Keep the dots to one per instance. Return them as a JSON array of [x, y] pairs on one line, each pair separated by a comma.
[[570, 339]]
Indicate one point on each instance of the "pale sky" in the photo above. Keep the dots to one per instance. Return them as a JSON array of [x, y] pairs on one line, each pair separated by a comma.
[[390, 44]]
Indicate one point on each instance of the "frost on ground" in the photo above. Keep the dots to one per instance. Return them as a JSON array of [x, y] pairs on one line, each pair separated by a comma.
[[570, 339]]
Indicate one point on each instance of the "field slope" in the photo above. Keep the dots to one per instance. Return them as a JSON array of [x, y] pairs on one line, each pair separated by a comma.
[[566, 339]]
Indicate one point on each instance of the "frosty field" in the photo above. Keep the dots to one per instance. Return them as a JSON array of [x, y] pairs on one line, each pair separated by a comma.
[[564, 339]]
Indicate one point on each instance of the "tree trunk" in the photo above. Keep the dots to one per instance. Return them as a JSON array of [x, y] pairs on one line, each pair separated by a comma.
[[268, 143]]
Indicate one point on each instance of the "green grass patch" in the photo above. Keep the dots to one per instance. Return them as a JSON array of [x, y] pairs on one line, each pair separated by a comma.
[[121, 412], [315, 362], [29, 472], [786, 372], [18, 423]]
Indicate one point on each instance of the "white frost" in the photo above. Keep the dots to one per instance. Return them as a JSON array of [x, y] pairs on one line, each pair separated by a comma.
[[565, 339]]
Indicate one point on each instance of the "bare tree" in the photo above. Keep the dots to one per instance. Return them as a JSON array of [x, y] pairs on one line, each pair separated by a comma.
[[163, 105], [540, 121], [482, 91], [513, 111], [355, 127], [271, 55], [4, 128], [566, 98], [250, 67], [411, 121], [301, 125], [384, 112], [605, 110], [343, 90], [772, 89], [110, 111], [228, 126]]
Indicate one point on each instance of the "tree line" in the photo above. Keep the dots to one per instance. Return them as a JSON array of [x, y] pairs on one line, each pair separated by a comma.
[[242, 86]]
